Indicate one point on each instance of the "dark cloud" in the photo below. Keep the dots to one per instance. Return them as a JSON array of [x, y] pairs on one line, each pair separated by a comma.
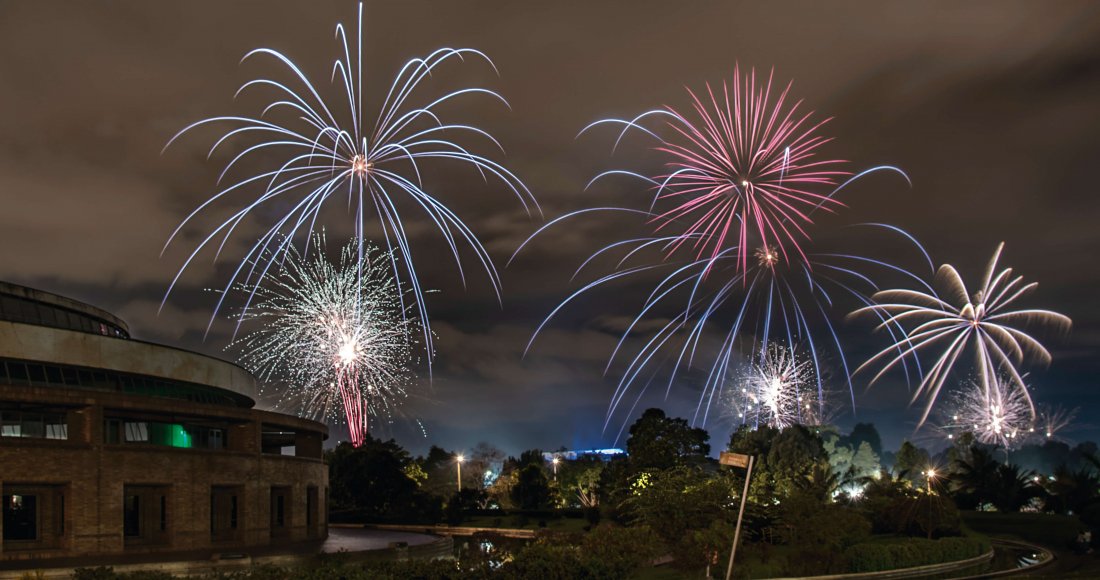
[[989, 107]]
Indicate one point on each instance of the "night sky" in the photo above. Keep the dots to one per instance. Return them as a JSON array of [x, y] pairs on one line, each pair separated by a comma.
[[990, 107]]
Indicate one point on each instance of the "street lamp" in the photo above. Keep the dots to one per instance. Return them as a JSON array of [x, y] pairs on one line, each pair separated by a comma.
[[555, 461], [458, 466], [929, 476]]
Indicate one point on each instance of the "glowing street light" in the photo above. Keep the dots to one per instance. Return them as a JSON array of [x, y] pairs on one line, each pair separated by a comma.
[[555, 461], [458, 466], [929, 476]]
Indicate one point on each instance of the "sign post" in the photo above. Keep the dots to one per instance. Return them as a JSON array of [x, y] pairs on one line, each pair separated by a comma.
[[737, 460]]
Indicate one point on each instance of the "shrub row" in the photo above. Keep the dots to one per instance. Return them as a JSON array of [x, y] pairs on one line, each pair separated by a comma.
[[877, 556]]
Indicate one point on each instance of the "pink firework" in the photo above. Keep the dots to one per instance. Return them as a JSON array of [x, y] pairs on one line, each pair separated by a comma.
[[747, 168]]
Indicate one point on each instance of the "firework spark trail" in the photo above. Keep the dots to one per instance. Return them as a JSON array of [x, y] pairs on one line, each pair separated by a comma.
[[998, 415], [747, 168], [749, 165], [1051, 421], [772, 298], [987, 321], [321, 151], [778, 391], [335, 337]]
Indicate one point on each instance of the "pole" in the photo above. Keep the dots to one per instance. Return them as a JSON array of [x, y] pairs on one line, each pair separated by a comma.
[[929, 480], [740, 514], [458, 464]]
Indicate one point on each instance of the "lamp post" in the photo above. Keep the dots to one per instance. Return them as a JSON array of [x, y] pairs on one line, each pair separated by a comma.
[[555, 461], [928, 477], [737, 460], [458, 467]]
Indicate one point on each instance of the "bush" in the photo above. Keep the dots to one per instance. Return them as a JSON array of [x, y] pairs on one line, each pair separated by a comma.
[[909, 552], [616, 552], [545, 561], [108, 573]]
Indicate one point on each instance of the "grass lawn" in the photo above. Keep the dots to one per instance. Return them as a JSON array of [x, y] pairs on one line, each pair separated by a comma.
[[1048, 530]]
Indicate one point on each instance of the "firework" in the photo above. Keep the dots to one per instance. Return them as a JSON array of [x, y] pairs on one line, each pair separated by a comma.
[[320, 150], [335, 337], [773, 299], [744, 167], [778, 392], [1000, 415], [750, 164], [1051, 421], [987, 321]]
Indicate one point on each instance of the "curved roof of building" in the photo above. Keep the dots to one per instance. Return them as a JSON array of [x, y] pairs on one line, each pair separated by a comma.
[[34, 342], [62, 301]]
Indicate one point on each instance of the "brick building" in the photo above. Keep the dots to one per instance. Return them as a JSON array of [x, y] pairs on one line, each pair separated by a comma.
[[114, 446]]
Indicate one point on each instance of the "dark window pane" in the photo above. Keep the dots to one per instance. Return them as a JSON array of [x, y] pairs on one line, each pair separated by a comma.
[[20, 517], [46, 315], [37, 374], [110, 430], [18, 373], [131, 516], [53, 375]]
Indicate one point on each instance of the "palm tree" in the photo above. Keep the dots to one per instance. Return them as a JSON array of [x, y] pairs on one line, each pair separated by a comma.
[[975, 480], [1014, 488]]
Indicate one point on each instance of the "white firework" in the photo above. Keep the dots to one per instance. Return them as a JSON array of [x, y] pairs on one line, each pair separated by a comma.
[[312, 152], [335, 340], [1002, 416], [986, 321], [778, 391]]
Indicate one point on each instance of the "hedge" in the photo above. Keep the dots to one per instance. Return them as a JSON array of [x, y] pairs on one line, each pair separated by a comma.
[[910, 552]]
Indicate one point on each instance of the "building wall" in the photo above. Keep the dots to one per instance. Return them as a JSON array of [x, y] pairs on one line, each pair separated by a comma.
[[40, 343], [93, 475], [80, 481]]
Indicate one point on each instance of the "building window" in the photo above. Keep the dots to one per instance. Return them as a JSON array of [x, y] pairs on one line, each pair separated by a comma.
[[18, 309], [280, 510], [36, 425], [34, 516], [224, 513], [35, 374], [131, 515], [163, 433], [20, 517], [145, 514]]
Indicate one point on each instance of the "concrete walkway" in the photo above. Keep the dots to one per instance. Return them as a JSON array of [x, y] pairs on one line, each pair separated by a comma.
[[363, 539]]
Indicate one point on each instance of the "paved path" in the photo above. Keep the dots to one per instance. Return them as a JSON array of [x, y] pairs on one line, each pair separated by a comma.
[[359, 539]]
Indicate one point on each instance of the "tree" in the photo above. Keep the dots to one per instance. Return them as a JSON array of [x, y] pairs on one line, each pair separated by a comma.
[[374, 480], [820, 531], [461, 502], [531, 490], [911, 461], [865, 433], [579, 481], [1014, 488], [975, 479], [479, 465], [784, 458], [1073, 491], [678, 502], [660, 442], [439, 465]]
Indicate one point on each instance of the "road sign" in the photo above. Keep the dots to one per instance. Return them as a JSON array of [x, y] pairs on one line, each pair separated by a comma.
[[733, 459]]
